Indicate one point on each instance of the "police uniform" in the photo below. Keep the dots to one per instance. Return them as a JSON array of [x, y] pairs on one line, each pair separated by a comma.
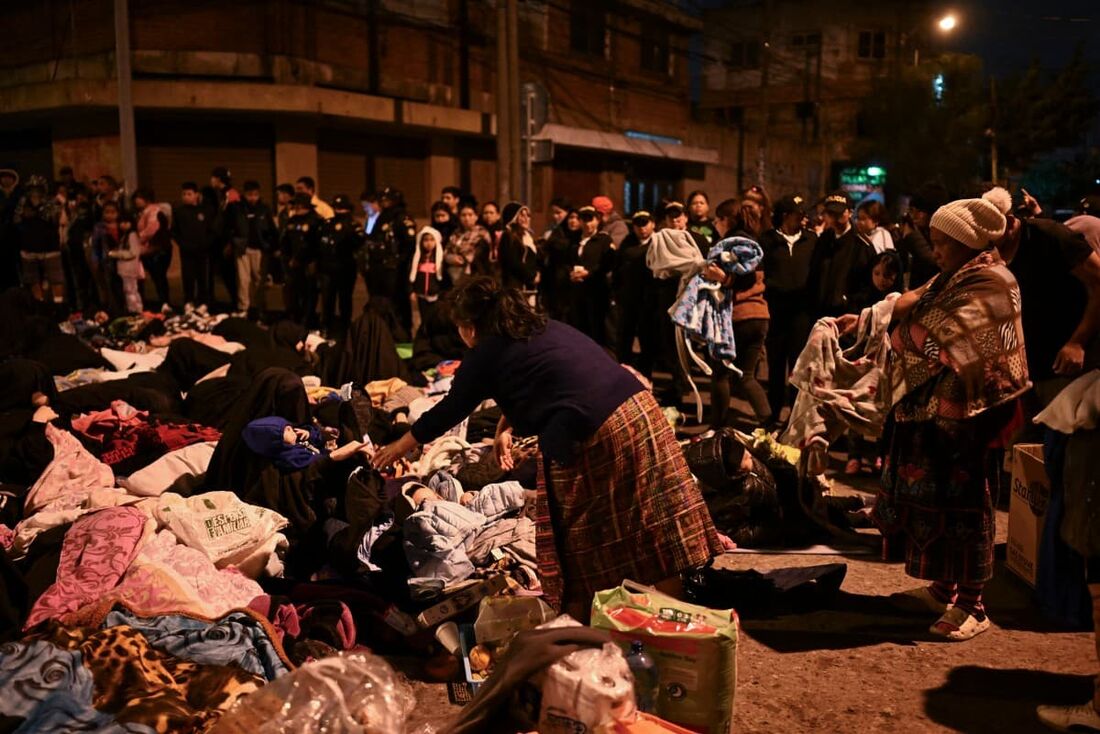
[[390, 255], [340, 241], [298, 247]]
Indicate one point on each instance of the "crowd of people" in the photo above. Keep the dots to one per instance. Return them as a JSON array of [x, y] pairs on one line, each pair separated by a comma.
[[976, 312]]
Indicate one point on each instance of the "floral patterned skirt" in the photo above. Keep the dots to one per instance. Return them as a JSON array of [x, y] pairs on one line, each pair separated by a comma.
[[935, 498]]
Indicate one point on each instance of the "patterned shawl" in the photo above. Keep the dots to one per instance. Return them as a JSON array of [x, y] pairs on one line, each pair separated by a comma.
[[960, 351]]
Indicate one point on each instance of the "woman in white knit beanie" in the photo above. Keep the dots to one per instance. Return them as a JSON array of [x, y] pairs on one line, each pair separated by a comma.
[[957, 367]]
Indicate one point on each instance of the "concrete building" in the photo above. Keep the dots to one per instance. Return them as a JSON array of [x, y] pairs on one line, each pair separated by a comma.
[[358, 94], [787, 78]]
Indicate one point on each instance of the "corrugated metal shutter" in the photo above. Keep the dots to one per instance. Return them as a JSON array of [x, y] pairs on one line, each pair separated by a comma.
[[341, 172], [410, 176], [168, 155]]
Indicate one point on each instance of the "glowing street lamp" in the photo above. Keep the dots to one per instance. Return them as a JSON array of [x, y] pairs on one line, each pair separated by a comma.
[[947, 23]]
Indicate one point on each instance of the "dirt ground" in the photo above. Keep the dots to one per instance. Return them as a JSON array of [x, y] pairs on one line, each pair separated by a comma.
[[861, 666]]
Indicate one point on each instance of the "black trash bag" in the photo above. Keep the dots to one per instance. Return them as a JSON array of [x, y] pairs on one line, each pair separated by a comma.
[[716, 460], [747, 508], [752, 593]]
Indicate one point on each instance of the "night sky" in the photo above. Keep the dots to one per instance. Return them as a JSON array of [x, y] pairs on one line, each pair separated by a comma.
[[1008, 34]]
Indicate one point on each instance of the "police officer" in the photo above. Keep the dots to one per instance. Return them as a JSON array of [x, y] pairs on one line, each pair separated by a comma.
[[298, 250], [390, 255], [341, 238]]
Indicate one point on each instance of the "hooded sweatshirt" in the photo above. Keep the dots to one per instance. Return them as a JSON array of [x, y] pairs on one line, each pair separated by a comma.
[[426, 273]]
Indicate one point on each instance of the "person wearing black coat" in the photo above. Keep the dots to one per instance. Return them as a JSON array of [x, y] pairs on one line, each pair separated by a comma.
[[635, 295], [298, 248], [390, 254], [589, 291], [251, 230], [788, 251], [840, 280], [557, 256], [341, 239], [518, 257], [193, 231]]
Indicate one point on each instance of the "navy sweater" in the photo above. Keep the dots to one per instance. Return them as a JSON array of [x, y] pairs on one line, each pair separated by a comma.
[[559, 385]]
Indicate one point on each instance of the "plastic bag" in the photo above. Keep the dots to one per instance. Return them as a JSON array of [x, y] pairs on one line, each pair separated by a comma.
[[695, 649], [500, 618], [585, 689], [348, 693], [219, 524]]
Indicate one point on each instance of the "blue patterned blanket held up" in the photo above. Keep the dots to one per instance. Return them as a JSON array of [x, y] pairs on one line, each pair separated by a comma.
[[704, 310]]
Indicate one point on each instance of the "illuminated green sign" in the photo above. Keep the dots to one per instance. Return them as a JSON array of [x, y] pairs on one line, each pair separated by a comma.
[[862, 181]]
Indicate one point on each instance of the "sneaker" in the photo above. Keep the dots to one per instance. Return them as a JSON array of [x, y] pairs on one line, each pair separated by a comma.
[[1070, 718], [959, 625], [919, 600], [852, 468]]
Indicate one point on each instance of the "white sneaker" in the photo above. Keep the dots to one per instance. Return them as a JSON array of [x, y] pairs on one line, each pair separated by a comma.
[[1070, 718]]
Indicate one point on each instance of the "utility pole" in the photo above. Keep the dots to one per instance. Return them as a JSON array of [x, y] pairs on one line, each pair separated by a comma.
[[993, 128], [504, 124], [515, 154], [765, 62], [126, 137]]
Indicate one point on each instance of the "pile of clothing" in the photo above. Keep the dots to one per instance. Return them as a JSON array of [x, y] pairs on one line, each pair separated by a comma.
[[182, 521]]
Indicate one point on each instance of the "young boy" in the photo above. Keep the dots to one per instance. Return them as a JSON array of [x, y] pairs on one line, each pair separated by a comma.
[[191, 232]]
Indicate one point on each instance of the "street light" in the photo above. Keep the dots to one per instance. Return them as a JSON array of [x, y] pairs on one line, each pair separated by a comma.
[[946, 24]]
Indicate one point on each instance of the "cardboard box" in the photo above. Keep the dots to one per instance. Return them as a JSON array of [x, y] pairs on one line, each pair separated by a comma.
[[1027, 510]]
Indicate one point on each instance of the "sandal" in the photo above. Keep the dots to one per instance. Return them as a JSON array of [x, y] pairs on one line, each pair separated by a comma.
[[919, 600], [958, 625]]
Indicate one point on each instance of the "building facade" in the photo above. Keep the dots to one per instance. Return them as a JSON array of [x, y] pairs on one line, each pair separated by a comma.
[[788, 77], [359, 94]]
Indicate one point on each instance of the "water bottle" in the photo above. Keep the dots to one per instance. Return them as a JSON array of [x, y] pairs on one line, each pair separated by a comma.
[[646, 685]]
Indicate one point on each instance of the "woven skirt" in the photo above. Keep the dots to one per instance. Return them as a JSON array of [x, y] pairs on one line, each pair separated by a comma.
[[626, 508]]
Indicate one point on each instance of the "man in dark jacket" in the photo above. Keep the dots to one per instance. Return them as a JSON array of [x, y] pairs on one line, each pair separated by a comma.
[[216, 199], [788, 250], [10, 193], [250, 228], [840, 269], [636, 296], [341, 238], [391, 253], [191, 231], [298, 248], [915, 245]]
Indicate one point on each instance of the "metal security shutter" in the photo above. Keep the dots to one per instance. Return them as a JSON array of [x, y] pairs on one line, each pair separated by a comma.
[[169, 154], [410, 176], [341, 172]]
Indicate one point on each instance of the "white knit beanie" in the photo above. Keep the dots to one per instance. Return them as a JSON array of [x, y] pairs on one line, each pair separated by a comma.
[[973, 222], [1000, 198]]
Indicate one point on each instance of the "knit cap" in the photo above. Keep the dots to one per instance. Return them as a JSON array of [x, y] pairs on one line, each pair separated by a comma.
[[999, 197], [973, 222]]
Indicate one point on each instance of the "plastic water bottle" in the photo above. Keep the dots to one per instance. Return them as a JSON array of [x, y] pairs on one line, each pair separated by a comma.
[[646, 685]]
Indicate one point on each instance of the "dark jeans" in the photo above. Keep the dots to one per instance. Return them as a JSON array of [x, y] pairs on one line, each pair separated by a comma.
[[787, 335], [336, 290], [222, 266], [195, 273], [588, 314], [82, 291], [637, 317], [156, 267], [749, 337], [300, 296]]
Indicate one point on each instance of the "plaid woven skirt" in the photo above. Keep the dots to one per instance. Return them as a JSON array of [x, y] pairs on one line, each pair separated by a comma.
[[627, 507]]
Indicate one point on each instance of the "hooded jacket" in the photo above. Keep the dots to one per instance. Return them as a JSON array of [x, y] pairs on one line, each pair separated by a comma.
[[427, 277]]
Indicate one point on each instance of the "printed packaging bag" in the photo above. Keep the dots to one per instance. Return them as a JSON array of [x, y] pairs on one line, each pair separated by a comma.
[[219, 524], [694, 648]]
